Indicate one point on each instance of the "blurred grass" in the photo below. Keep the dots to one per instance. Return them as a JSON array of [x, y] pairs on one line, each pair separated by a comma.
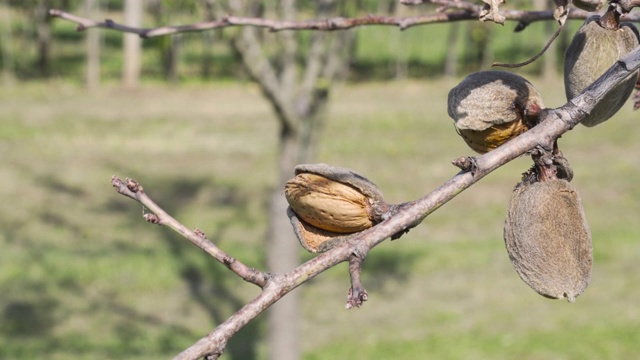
[[83, 276]]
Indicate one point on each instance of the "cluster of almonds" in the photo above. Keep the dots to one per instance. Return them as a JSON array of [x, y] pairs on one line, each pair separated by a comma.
[[492, 107], [545, 232]]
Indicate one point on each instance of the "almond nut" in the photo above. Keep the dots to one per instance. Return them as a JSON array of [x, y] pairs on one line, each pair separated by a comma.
[[548, 239], [491, 107], [593, 50], [328, 202]]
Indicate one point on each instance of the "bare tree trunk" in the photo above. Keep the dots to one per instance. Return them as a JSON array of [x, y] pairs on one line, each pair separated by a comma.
[[93, 47], [296, 81], [132, 52], [282, 256], [167, 46], [6, 43], [206, 71], [401, 61], [451, 59], [207, 8], [43, 30], [282, 250], [170, 57]]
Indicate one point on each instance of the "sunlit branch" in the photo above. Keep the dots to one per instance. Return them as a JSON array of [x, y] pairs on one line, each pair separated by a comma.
[[465, 11]]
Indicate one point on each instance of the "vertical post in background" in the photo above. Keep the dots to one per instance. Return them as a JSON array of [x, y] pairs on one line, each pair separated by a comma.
[[6, 46], [132, 58], [92, 75]]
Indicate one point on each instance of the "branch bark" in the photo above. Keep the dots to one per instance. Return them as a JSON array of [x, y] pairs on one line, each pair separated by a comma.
[[329, 24]]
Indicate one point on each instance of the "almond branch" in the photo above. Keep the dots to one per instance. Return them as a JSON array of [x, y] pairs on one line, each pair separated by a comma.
[[555, 122]]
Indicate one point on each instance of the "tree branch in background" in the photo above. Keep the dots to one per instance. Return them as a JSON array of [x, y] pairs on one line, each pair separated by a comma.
[[468, 11], [554, 123]]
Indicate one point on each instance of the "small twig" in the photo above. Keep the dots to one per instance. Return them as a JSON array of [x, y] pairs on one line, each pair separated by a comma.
[[536, 56], [357, 294], [132, 189], [414, 2]]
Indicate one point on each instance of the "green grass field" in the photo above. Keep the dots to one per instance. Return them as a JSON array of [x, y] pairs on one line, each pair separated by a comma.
[[82, 276]]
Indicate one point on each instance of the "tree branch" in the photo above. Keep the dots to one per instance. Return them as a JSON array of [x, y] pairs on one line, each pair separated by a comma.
[[132, 189], [555, 122], [468, 11]]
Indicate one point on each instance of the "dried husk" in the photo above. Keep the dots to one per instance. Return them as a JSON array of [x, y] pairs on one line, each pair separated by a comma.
[[491, 107], [548, 239], [326, 203], [593, 50]]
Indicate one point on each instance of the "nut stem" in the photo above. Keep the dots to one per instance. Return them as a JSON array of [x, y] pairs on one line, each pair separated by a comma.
[[611, 19]]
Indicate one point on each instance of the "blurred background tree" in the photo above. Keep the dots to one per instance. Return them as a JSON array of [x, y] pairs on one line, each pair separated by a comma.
[[378, 53]]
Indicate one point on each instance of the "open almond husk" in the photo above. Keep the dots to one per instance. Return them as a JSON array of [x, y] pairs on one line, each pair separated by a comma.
[[327, 203]]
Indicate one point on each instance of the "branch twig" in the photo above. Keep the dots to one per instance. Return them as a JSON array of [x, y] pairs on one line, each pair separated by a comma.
[[132, 189]]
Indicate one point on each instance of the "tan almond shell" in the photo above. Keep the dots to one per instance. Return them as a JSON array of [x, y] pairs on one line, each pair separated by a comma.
[[311, 238], [345, 176], [548, 239], [488, 98], [352, 178], [329, 205], [593, 51]]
